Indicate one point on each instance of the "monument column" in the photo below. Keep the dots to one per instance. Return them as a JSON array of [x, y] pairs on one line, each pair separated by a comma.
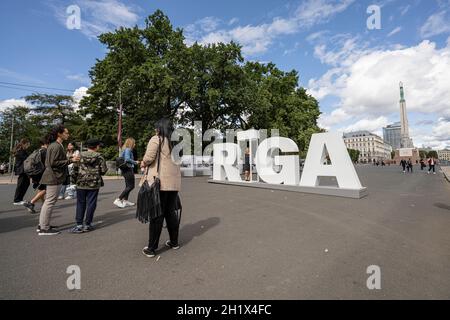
[[404, 132]]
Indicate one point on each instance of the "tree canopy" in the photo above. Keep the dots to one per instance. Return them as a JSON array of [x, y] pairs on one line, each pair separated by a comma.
[[155, 74]]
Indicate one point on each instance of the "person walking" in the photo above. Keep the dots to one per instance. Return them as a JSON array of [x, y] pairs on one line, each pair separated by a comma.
[[39, 188], [23, 181], [87, 174], [247, 164], [431, 164], [69, 187], [409, 165], [54, 176], [403, 164], [127, 173], [170, 179], [422, 164]]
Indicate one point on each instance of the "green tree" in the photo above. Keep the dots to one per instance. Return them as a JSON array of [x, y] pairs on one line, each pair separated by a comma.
[[432, 153], [51, 109], [25, 126], [354, 154], [155, 74], [422, 154], [276, 101]]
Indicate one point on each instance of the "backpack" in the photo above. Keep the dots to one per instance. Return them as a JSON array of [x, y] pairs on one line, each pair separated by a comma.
[[33, 166]]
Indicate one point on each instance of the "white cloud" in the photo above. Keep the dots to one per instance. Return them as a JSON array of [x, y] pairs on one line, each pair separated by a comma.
[[405, 9], [366, 85], [337, 116], [369, 124], [367, 81], [78, 94], [442, 130], [436, 24], [396, 30], [256, 39], [313, 12], [101, 16], [11, 103], [233, 21], [81, 78]]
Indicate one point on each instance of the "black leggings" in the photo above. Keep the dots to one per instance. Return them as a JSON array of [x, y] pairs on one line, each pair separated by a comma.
[[168, 202], [128, 174], [23, 182]]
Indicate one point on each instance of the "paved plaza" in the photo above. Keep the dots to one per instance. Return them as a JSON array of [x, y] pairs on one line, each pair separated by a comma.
[[243, 243]]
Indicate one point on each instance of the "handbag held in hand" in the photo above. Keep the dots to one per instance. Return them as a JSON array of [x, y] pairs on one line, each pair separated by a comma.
[[148, 202]]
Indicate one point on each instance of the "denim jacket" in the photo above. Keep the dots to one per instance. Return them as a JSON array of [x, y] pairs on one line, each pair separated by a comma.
[[127, 154]]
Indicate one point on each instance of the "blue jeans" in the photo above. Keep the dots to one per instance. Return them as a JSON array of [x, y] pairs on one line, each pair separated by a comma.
[[86, 203]]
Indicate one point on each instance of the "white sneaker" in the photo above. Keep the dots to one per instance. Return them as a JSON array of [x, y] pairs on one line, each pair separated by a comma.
[[119, 203], [128, 203], [21, 203], [60, 197]]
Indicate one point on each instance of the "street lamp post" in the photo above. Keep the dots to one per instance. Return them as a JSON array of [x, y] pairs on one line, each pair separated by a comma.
[[10, 166]]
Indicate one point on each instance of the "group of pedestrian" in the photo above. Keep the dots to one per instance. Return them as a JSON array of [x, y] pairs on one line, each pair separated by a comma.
[[407, 165], [51, 175]]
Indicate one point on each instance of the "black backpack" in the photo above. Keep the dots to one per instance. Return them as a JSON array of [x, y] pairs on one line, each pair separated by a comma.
[[33, 166]]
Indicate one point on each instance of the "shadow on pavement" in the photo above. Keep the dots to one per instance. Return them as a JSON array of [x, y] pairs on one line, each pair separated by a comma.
[[192, 230], [20, 222], [442, 206]]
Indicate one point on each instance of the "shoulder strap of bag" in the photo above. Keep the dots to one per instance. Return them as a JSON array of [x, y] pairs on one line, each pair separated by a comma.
[[159, 154]]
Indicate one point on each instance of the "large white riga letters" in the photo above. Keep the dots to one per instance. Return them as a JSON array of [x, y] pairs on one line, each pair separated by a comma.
[[327, 158]]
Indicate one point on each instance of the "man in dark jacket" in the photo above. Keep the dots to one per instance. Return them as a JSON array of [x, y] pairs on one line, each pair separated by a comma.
[[23, 181], [54, 176], [87, 173]]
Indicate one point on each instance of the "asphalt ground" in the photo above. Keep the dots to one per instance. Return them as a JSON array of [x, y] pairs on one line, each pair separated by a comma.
[[243, 243]]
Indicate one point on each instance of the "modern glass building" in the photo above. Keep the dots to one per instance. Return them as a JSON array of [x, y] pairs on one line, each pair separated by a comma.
[[392, 135]]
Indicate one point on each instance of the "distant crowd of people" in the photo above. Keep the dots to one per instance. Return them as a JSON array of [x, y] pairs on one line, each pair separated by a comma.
[[407, 165], [56, 174]]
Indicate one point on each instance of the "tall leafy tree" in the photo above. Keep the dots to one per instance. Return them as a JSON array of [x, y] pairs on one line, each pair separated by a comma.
[[153, 73]]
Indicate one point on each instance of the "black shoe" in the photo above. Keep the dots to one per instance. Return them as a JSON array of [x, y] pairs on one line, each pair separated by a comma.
[[149, 253], [38, 229], [30, 207], [49, 232], [170, 245]]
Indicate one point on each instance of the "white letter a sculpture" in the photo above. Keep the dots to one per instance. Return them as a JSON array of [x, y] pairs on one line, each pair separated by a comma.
[[341, 165]]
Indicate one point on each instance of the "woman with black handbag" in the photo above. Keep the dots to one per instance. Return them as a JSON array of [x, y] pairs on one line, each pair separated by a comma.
[[162, 170]]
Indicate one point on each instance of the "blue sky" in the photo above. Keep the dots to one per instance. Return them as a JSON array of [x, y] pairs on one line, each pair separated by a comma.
[[352, 71]]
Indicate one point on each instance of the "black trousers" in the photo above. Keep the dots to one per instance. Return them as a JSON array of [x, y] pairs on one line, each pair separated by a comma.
[[23, 182], [128, 174], [431, 168], [86, 205], [168, 202]]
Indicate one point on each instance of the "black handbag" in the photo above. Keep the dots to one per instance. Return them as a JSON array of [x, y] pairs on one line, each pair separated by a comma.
[[148, 205], [121, 164]]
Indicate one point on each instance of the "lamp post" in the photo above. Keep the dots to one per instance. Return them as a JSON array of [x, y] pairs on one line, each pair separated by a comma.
[[10, 166]]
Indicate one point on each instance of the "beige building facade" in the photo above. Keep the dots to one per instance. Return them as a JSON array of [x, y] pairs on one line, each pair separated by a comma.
[[370, 146]]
